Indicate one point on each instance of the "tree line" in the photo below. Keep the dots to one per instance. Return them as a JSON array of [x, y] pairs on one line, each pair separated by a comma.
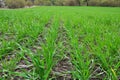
[[23, 3]]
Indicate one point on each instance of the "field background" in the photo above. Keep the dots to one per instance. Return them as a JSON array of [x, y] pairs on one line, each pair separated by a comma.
[[29, 3], [60, 43]]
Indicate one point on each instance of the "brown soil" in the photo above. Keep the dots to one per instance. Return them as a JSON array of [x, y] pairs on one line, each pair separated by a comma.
[[62, 69]]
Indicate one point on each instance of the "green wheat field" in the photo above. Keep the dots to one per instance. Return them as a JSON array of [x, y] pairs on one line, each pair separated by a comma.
[[60, 43]]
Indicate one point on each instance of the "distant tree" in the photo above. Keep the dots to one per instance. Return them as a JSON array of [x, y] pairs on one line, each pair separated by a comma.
[[60, 2], [79, 2], [86, 2], [2, 4], [15, 3], [47, 2], [52, 2], [29, 3], [20, 3], [38, 2]]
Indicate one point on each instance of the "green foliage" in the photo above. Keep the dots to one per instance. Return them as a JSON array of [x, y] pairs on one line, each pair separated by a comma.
[[32, 43]]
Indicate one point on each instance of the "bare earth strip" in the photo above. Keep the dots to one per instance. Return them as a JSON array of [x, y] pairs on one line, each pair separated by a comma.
[[63, 67]]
